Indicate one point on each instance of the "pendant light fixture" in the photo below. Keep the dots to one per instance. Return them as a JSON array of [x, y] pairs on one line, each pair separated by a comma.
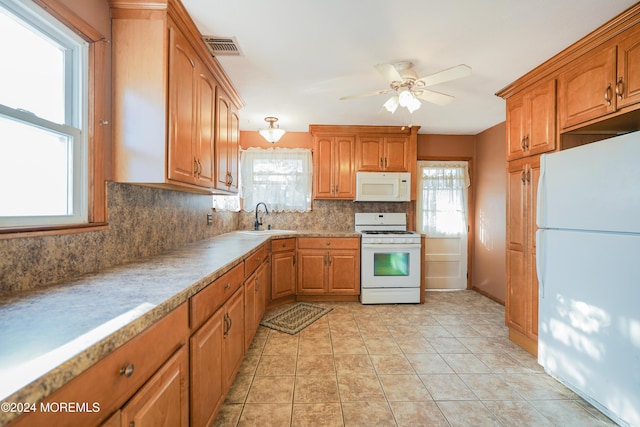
[[273, 133]]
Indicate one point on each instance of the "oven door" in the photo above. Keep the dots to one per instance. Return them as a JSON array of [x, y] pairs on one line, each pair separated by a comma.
[[390, 265]]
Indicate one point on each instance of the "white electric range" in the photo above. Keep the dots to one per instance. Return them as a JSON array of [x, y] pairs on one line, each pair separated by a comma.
[[390, 259]]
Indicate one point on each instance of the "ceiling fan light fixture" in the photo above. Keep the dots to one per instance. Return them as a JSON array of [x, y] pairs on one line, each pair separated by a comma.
[[392, 104], [273, 133], [409, 101]]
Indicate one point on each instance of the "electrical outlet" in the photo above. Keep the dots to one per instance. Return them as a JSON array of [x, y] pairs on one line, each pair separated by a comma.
[[209, 218]]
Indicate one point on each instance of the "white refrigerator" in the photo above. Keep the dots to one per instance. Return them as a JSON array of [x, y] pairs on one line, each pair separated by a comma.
[[588, 265]]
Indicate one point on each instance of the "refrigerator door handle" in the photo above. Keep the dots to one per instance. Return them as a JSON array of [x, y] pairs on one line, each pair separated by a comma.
[[540, 262]]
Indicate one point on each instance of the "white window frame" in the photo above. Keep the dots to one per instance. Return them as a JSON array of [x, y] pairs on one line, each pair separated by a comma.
[[76, 114]]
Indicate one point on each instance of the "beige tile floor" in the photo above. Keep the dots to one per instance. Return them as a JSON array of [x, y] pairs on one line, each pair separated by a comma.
[[445, 363]]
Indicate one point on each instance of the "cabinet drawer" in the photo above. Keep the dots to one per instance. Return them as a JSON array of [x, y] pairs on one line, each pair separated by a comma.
[[107, 382], [207, 301], [282, 245], [328, 243], [254, 260]]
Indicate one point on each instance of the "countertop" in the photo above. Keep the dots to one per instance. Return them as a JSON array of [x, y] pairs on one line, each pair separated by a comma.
[[49, 336]]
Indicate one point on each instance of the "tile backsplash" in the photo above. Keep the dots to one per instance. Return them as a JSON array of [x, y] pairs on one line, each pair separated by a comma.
[[145, 221], [329, 215]]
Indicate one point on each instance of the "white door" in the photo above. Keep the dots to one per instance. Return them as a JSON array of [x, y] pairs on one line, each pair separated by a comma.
[[442, 213]]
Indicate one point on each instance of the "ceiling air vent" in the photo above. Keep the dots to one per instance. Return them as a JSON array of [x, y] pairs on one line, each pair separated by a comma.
[[222, 46]]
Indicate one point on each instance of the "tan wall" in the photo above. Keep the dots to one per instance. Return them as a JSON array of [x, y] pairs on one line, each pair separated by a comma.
[[446, 146], [489, 253], [288, 140]]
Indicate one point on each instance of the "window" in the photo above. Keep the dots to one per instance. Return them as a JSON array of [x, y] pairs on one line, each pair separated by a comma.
[[43, 119], [442, 198], [280, 177]]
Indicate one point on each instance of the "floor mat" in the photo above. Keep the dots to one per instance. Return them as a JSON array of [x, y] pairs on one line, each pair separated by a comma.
[[296, 318]]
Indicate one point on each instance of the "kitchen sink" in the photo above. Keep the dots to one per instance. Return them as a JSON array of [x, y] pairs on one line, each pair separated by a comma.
[[265, 232]]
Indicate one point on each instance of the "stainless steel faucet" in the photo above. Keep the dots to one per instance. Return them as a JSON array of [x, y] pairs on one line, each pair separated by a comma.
[[257, 223]]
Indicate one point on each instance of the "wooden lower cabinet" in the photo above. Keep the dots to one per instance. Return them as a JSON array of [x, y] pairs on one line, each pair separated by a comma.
[[164, 399], [217, 349], [256, 288], [328, 266], [207, 386], [521, 308], [233, 346], [283, 268]]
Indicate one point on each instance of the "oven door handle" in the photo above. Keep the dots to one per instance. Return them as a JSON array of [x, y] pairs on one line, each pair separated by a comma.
[[390, 245]]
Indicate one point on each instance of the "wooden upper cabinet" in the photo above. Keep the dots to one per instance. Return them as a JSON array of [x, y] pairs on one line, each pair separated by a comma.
[[603, 81], [227, 145], [531, 121], [377, 154], [182, 107], [369, 153], [628, 78], [205, 132], [587, 89], [334, 167], [516, 127], [165, 87]]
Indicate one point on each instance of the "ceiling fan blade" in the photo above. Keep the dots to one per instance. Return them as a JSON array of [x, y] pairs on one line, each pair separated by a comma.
[[449, 74], [433, 97], [362, 95], [389, 72]]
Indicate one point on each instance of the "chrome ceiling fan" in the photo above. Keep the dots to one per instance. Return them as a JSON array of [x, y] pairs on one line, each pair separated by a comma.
[[410, 88]]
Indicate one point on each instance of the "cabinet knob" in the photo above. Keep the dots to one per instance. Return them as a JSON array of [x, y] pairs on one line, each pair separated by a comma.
[[127, 371], [227, 286]]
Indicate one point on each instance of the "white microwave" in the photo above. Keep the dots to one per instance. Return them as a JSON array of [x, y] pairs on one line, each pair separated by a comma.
[[383, 186]]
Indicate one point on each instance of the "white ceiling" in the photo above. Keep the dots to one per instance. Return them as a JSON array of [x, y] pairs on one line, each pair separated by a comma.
[[300, 56]]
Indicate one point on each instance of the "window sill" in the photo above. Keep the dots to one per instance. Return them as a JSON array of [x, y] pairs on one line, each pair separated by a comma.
[[23, 232]]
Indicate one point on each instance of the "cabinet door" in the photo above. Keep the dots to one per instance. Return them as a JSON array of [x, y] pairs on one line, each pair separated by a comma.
[[396, 154], [542, 118], [517, 284], [311, 271], [182, 88], [264, 286], [517, 123], [283, 278], [222, 143], [532, 183], [205, 140], [344, 273], [250, 303], [233, 149], [234, 338], [586, 91], [164, 400], [344, 168], [206, 370], [323, 162], [628, 83], [370, 153]]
